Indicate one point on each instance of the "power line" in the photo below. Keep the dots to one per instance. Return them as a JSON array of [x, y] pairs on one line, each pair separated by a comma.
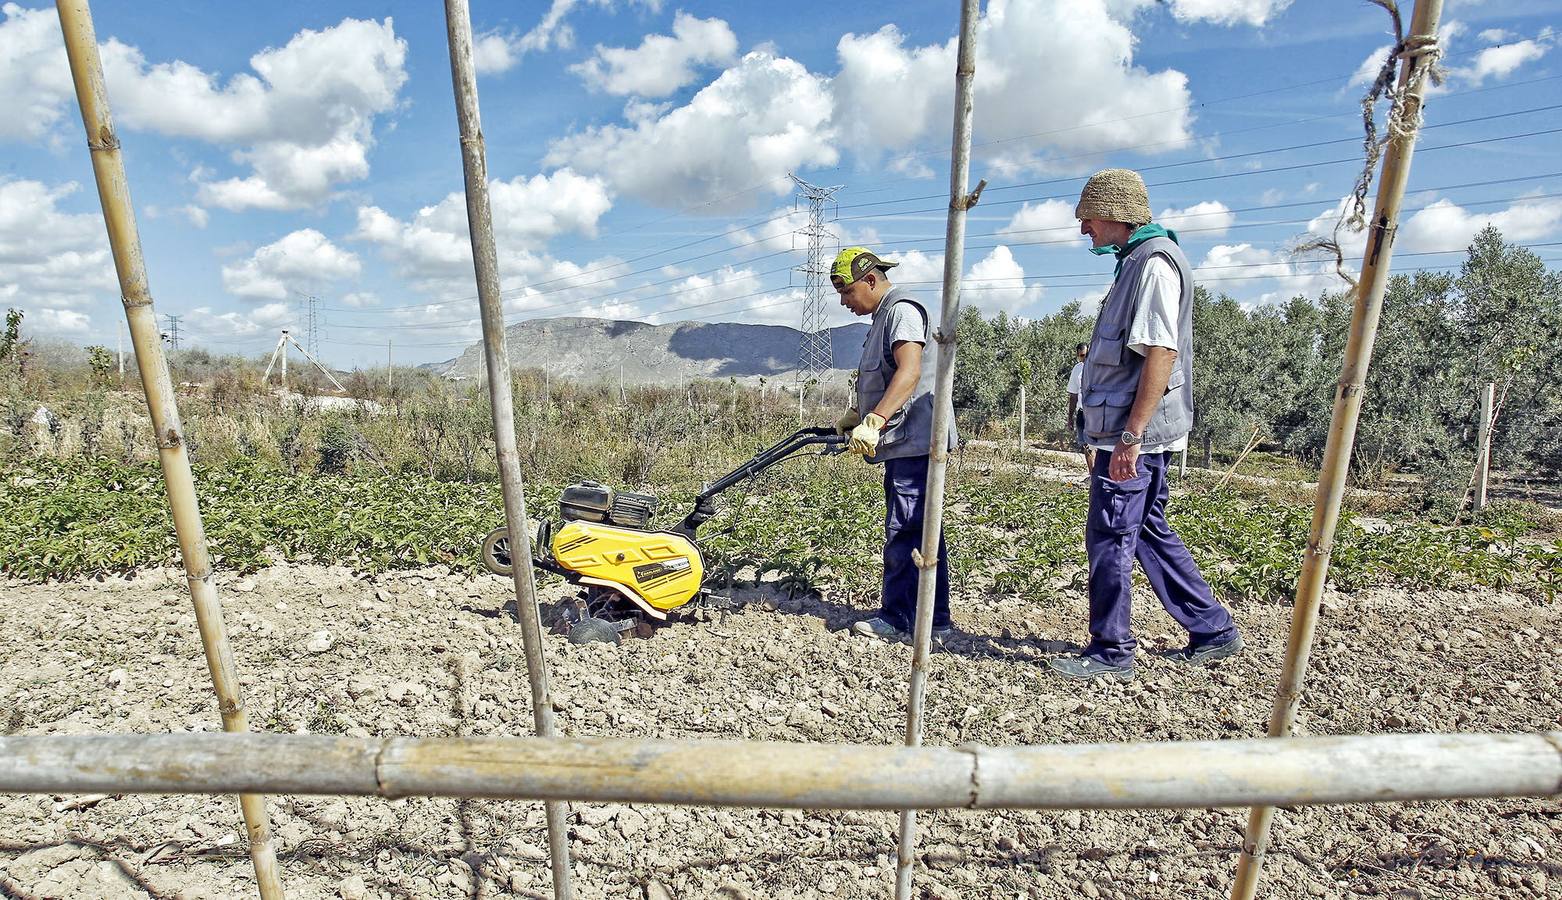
[[990, 204], [769, 220], [465, 321], [1029, 199]]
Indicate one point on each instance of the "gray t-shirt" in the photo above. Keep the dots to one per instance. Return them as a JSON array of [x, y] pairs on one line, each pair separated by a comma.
[[905, 324]]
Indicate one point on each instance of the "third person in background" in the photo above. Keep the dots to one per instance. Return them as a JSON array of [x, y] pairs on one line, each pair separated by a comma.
[[1075, 381], [1136, 400]]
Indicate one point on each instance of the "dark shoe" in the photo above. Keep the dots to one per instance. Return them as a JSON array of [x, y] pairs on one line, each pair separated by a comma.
[[1199, 656], [878, 628], [1085, 667]]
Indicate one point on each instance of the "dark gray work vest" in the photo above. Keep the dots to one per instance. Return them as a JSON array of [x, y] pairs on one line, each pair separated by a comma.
[[909, 431], [1111, 377]]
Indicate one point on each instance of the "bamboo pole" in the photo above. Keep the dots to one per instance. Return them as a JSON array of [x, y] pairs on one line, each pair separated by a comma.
[[1161, 775], [474, 164], [108, 168], [1483, 450], [1342, 429], [943, 411], [1022, 415]]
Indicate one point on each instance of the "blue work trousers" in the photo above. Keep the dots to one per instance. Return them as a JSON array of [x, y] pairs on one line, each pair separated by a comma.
[[1127, 521], [905, 499]]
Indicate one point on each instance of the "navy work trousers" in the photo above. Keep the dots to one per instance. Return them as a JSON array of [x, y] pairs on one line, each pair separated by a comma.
[[1127, 521], [905, 499]]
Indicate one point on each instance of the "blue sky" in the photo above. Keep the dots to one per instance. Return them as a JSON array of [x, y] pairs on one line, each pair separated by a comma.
[[640, 151]]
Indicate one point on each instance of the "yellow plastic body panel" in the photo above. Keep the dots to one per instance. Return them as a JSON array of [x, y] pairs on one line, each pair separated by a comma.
[[658, 570]]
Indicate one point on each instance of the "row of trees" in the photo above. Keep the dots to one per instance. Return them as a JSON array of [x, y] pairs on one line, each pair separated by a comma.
[[1273, 368]]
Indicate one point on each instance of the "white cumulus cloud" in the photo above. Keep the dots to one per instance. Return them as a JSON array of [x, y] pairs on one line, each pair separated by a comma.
[[758, 120], [300, 260], [1096, 99], [35, 82], [302, 122], [1231, 268], [52, 262], [1501, 61], [1210, 218], [662, 63], [1445, 225], [997, 281], [499, 50], [1050, 221], [1229, 12], [432, 247]]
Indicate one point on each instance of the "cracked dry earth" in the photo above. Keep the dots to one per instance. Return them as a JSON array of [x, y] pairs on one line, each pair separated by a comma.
[[427, 653]]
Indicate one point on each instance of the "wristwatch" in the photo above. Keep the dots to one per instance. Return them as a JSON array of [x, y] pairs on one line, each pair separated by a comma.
[[1130, 439]]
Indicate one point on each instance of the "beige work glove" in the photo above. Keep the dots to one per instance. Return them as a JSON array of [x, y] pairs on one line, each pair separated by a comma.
[[865, 437], [847, 422]]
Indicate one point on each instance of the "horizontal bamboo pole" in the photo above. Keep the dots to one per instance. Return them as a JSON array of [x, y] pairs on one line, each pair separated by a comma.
[[1168, 775]]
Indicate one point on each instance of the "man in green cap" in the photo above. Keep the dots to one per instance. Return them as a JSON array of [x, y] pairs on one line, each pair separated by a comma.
[[1136, 404], [892, 424]]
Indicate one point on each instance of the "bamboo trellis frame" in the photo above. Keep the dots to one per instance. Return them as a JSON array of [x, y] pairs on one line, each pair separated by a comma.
[[1263, 773], [1142, 775]]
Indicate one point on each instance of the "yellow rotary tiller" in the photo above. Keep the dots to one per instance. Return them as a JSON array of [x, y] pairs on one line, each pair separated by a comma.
[[632, 575]]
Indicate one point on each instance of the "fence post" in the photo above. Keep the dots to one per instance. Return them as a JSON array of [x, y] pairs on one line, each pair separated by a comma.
[[108, 166], [1483, 446], [1418, 55], [943, 411], [485, 259]]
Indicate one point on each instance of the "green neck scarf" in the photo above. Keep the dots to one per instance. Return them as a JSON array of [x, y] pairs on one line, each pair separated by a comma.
[[1140, 235]]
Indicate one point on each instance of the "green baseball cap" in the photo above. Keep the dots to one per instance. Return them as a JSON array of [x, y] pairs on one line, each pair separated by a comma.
[[855, 262]]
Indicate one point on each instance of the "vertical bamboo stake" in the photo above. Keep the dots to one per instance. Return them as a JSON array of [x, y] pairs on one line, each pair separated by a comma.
[[1022, 415], [108, 168], [1483, 448], [474, 164], [943, 390], [1342, 428]]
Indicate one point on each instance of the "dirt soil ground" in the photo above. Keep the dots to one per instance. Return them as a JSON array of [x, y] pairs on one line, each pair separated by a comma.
[[430, 653]]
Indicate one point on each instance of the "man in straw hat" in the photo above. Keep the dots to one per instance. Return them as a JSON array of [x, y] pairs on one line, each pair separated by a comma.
[[1137, 408], [892, 424]]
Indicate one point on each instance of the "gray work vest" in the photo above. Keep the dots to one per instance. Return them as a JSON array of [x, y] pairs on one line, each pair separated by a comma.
[[909, 431], [1111, 377]]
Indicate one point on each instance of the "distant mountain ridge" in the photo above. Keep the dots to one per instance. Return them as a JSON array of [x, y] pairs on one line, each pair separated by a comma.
[[586, 349]]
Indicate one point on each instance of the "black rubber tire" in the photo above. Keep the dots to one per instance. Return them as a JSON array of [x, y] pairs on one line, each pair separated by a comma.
[[591, 630], [496, 552]]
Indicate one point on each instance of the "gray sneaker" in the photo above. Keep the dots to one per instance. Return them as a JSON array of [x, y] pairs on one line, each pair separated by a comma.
[[878, 628], [1200, 656], [1084, 667]]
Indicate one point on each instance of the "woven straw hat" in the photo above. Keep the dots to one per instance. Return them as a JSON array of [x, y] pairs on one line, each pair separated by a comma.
[[1115, 195]]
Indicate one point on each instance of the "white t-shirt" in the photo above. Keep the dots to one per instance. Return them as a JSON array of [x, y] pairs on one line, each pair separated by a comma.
[[1155, 325], [1076, 378]]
